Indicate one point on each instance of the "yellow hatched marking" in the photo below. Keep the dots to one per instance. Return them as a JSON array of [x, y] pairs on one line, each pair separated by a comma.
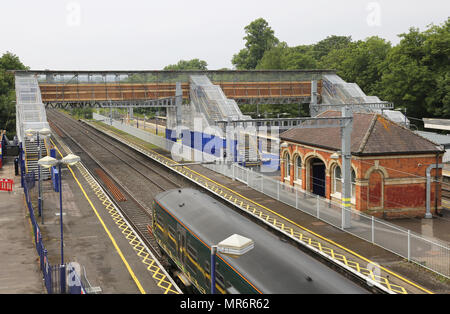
[[159, 277]]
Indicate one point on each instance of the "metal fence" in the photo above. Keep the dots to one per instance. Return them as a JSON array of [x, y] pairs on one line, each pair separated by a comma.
[[54, 275], [429, 253], [432, 254]]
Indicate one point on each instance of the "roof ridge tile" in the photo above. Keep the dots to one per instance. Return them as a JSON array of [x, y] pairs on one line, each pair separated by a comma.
[[363, 144]]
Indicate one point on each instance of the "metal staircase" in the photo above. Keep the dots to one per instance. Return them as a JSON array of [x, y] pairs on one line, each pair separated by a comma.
[[209, 101], [31, 150], [249, 154]]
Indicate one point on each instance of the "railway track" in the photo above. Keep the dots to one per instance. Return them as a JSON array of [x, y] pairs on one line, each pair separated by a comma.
[[118, 167]]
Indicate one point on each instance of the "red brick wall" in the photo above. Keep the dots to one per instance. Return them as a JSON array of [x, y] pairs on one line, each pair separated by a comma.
[[389, 186]]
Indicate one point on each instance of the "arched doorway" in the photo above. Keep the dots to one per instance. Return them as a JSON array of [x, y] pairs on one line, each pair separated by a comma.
[[317, 179]]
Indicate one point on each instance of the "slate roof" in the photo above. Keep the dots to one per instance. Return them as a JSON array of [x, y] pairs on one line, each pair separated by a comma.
[[372, 134]]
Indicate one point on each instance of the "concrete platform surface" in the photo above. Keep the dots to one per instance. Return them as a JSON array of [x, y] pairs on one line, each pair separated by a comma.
[[19, 262]]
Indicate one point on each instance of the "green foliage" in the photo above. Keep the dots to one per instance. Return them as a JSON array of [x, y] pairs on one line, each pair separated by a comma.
[[288, 58], [82, 113], [414, 74], [8, 61], [325, 46], [194, 64], [359, 62], [259, 39]]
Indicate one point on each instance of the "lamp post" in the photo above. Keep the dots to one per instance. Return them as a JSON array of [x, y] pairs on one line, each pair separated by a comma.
[[44, 132], [234, 246], [48, 162]]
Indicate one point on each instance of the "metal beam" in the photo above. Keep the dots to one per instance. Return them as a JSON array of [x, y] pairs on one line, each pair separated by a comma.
[[356, 106], [187, 72], [148, 103], [280, 100], [306, 122]]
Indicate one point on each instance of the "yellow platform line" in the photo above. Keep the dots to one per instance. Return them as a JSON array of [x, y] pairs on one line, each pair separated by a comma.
[[119, 251], [152, 266]]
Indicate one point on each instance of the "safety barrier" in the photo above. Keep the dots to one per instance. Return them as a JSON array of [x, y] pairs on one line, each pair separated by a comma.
[[6, 185], [56, 278]]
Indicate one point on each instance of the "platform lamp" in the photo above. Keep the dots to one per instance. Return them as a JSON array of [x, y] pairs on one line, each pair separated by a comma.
[[234, 246], [30, 133], [48, 162]]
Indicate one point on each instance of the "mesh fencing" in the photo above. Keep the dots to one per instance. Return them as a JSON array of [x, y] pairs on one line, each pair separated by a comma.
[[430, 253]]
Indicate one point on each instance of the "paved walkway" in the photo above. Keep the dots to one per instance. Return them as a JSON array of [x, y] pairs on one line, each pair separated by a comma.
[[19, 268]]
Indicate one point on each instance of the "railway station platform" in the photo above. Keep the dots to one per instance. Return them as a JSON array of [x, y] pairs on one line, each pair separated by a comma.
[[19, 263], [362, 254]]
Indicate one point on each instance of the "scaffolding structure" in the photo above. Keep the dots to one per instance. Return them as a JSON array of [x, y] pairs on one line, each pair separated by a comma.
[[30, 111]]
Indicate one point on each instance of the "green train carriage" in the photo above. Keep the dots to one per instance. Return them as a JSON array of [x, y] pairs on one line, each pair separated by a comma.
[[186, 222]]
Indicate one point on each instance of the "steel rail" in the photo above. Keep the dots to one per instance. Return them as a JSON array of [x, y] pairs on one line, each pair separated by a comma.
[[140, 227], [93, 139]]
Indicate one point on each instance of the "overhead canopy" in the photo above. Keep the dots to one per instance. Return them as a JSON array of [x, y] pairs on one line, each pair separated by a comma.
[[440, 124]]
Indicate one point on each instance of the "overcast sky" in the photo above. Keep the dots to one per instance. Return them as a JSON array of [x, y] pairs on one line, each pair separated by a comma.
[[148, 34]]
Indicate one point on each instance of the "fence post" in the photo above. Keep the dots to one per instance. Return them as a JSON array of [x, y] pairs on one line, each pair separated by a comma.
[[62, 278], [318, 206], [248, 177], [296, 198], [262, 184], [373, 229], [41, 252], [278, 190], [47, 273], [409, 245], [233, 172]]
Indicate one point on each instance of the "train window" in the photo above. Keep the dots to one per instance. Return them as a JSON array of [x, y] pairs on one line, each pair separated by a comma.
[[172, 239], [220, 280], [192, 258], [191, 267], [192, 252], [159, 219], [172, 231]]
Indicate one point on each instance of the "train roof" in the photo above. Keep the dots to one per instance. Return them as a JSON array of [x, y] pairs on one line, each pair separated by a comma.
[[272, 266]]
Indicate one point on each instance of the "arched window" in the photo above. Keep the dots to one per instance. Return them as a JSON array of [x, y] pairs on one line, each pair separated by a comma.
[[298, 168], [287, 165], [337, 180]]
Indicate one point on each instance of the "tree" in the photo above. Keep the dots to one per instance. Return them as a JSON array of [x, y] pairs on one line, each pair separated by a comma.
[[194, 64], [415, 74], [360, 62], [259, 38], [8, 61], [283, 57], [333, 42]]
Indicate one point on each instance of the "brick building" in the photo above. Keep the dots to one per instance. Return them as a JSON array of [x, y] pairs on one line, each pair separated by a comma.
[[389, 164]]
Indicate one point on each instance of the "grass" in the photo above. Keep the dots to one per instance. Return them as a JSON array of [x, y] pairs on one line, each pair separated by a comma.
[[125, 135]]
